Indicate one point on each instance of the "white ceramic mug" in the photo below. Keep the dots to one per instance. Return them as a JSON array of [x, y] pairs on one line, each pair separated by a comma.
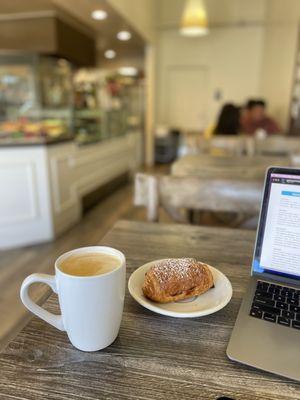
[[91, 306]]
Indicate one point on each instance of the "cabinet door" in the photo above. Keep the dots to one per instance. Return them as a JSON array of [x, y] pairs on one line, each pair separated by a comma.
[[187, 91]]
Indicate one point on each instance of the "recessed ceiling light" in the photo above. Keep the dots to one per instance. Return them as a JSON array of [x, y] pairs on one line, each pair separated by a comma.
[[99, 15], [128, 71], [110, 54], [124, 35]]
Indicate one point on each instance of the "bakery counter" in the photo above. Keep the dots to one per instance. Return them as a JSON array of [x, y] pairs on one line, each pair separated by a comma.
[[42, 186]]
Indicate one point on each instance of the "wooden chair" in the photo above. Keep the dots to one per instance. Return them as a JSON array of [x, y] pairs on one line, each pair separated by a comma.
[[178, 194]]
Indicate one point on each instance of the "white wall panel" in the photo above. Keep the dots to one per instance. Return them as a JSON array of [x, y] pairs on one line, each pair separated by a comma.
[[25, 213]]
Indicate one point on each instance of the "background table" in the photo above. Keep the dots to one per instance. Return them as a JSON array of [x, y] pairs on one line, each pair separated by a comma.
[[154, 357], [224, 167]]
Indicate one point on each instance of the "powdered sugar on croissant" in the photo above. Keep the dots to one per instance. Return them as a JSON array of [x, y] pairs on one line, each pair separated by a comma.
[[177, 279]]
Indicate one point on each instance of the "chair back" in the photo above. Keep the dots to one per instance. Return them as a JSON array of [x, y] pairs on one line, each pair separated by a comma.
[[226, 145], [277, 145]]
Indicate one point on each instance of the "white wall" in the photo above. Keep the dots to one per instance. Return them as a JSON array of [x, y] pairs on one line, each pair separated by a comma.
[[232, 57], [255, 60], [278, 69], [281, 41]]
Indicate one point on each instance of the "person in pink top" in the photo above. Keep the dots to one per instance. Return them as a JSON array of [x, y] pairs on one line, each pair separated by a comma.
[[254, 118]]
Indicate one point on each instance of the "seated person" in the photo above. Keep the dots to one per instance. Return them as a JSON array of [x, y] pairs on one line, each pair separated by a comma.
[[228, 122], [254, 118]]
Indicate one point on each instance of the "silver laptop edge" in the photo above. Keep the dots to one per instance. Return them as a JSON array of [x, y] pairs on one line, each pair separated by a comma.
[[256, 342]]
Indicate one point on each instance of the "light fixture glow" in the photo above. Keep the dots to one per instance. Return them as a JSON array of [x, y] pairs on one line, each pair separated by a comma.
[[123, 35], [194, 19], [99, 15], [110, 54], [128, 71]]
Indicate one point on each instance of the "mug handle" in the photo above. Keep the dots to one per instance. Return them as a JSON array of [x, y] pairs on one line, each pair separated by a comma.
[[52, 319]]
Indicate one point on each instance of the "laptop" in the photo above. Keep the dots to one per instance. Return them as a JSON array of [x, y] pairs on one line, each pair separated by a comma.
[[266, 334]]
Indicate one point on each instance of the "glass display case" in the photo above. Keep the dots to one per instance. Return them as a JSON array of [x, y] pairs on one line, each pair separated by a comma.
[[44, 98], [107, 104], [87, 111], [36, 100]]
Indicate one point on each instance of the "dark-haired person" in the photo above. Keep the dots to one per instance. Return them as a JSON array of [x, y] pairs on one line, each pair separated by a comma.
[[255, 118], [228, 122]]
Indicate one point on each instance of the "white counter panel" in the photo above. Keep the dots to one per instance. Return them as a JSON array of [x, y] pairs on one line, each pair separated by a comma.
[[42, 186], [25, 209]]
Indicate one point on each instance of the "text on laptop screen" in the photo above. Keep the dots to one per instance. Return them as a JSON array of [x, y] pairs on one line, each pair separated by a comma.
[[280, 241]]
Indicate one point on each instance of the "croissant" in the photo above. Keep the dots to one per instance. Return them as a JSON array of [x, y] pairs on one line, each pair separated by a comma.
[[177, 279]]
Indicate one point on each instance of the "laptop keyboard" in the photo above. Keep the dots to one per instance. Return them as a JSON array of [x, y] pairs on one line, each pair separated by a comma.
[[277, 304]]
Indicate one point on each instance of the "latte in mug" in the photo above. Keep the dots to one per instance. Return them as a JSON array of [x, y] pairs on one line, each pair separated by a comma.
[[89, 264], [91, 307]]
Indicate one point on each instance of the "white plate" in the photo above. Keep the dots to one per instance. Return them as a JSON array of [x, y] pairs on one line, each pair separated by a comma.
[[211, 301]]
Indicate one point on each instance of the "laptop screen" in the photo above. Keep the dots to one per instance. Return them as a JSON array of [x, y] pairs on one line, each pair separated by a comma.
[[277, 249]]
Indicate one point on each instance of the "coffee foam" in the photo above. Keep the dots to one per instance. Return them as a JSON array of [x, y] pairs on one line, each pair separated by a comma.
[[89, 264]]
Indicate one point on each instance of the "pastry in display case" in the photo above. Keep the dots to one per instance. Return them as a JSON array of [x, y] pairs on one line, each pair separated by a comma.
[[24, 127], [36, 98]]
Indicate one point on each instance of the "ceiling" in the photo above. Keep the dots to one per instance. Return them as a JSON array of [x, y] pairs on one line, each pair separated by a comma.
[[220, 12], [104, 31]]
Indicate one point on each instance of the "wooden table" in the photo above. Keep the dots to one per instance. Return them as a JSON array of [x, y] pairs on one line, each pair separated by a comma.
[[224, 167], [154, 357]]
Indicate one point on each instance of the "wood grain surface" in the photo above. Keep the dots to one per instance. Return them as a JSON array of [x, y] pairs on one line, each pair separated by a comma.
[[154, 357]]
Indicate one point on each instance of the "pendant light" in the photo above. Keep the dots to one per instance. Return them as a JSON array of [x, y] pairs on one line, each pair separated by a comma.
[[194, 19]]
